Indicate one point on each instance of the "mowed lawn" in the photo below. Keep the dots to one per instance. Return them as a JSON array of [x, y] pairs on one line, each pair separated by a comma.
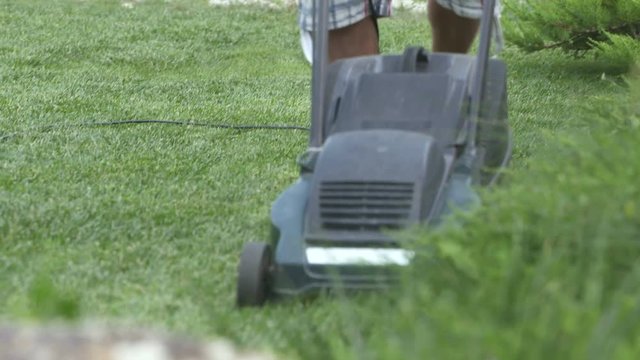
[[143, 224]]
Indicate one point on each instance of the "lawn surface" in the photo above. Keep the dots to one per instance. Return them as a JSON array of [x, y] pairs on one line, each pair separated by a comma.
[[144, 223]]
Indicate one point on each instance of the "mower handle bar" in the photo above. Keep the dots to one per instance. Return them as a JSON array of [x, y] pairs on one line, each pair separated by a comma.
[[321, 58]]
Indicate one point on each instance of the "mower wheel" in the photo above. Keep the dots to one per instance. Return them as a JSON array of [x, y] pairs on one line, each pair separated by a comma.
[[253, 274]]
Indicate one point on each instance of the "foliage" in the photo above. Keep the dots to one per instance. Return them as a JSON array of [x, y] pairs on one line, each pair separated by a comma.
[[575, 25], [619, 52], [548, 268]]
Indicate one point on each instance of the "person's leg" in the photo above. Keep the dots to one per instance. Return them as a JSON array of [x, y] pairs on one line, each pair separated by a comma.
[[450, 32], [356, 39], [353, 25]]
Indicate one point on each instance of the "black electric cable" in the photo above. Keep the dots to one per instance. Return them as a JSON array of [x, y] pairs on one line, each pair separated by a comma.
[[193, 123], [167, 122]]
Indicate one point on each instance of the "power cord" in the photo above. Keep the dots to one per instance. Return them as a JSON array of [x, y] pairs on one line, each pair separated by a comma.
[[4, 137]]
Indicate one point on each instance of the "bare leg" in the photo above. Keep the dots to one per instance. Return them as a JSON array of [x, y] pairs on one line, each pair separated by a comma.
[[450, 32], [354, 40]]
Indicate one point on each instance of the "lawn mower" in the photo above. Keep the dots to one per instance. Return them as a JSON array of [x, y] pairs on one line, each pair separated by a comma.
[[396, 141]]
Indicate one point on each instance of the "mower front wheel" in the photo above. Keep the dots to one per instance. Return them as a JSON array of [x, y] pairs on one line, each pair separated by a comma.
[[253, 274]]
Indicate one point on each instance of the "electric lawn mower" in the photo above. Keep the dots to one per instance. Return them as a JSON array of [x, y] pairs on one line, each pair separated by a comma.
[[396, 141]]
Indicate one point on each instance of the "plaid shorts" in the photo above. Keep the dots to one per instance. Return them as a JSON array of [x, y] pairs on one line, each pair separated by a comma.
[[343, 13], [465, 8]]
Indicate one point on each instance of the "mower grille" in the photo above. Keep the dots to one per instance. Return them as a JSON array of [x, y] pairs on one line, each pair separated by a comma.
[[365, 206]]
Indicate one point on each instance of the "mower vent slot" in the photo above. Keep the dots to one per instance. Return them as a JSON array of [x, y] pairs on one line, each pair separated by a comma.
[[365, 206]]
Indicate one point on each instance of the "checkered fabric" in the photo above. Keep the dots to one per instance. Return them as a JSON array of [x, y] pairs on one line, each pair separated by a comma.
[[346, 12], [465, 8], [343, 13]]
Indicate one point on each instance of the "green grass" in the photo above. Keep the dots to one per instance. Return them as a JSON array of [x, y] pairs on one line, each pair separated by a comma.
[[144, 224]]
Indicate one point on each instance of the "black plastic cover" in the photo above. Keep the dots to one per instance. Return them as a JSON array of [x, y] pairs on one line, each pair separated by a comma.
[[371, 180]]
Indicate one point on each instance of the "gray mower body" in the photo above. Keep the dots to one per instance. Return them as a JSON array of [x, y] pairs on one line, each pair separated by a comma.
[[394, 156], [396, 141]]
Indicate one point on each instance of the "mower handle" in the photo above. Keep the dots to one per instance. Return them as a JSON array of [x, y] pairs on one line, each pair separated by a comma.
[[320, 64]]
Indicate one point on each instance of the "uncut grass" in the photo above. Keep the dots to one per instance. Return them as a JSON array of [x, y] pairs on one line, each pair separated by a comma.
[[144, 224]]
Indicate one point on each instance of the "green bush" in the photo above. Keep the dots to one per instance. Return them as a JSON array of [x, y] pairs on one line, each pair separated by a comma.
[[612, 26], [549, 267], [619, 51]]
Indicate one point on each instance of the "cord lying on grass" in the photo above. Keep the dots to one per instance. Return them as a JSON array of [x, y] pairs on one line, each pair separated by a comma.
[[5, 137]]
